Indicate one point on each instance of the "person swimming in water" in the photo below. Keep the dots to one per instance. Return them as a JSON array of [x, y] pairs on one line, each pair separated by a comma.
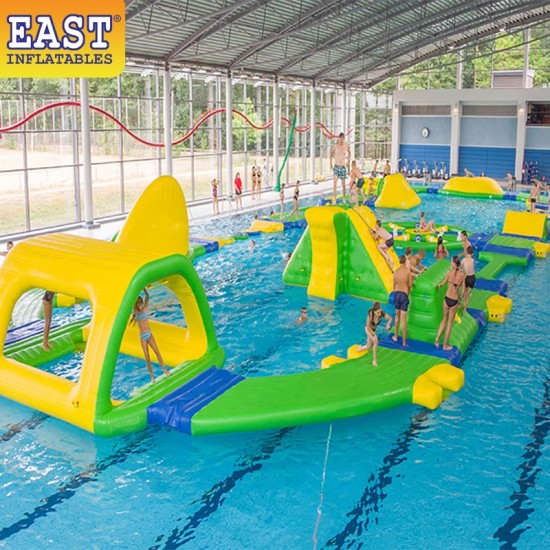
[[140, 316], [456, 280], [441, 252]]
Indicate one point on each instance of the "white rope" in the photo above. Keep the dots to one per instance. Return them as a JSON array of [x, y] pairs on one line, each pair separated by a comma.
[[322, 495]]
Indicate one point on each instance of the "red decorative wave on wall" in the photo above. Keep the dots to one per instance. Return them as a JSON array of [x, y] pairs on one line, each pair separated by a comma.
[[326, 132]]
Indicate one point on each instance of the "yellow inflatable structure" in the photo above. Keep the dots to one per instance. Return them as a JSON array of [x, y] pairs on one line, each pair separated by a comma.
[[338, 254], [481, 187], [525, 224], [151, 247], [397, 193]]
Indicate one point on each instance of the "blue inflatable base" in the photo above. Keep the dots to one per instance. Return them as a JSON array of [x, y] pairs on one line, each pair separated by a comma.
[[22, 332], [526, 253], [425, 348], [496, 285], [177, 408], [209, 246], [432, 190], [479, 316], [521, 236], [479, 240]]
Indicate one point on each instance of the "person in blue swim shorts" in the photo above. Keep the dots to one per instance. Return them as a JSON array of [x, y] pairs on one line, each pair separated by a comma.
[[340, 156], [402, 283]]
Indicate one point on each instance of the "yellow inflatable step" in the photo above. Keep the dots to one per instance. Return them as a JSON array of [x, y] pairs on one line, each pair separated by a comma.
[[266, 226], [541, 249], [327, 362], [498, 307], [525, 224]]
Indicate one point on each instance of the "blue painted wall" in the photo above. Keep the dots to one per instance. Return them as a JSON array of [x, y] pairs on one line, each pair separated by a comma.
[[429, 153], [488, 132], [440, 130], [542, 157], [537, 137], [494, 161]]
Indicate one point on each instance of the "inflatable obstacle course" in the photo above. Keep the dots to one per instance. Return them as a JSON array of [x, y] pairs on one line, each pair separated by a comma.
[[323, 260], [481, 187], [397, 193], [152, 246], [525, 224]]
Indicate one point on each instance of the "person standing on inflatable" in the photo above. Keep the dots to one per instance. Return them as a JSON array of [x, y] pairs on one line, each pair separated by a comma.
[[141, 317], [340, 156]]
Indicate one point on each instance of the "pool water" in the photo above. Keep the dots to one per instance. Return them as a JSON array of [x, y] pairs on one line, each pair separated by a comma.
[[474, 473]]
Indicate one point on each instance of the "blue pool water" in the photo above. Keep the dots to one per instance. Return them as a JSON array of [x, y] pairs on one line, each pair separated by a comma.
[[473, 474]]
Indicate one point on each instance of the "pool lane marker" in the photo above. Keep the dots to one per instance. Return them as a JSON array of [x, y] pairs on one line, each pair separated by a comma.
[[67, 490], [213, 498], [373, 495], [509, 533], [30, 423], [322, 494]]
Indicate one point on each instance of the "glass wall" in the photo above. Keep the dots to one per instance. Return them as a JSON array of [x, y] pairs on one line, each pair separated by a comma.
[[40, 176]]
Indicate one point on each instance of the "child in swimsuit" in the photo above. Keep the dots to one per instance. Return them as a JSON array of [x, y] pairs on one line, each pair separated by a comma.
[[469, 276], [355, 176], [423, 226], [215, 206], [455, 279], [374, 317], [140, 316], [441, 251]]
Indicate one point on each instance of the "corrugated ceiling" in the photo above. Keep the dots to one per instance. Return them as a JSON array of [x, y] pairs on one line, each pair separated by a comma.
[[358, 42]]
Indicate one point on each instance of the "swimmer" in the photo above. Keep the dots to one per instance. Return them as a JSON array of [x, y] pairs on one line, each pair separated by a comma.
[[252, 244], [296, 198], [402, 283], [374, 317], [416, 262], [9, 246], [340, 155], [423, 226], [286, 256], [455, 279], [372, 191], [282, 200], [47, 307], [354, 176], [441, 252], [534, 195], [408, 256], [465, 243], [468, 267], [303, 316], [140, 316], [387, 241]]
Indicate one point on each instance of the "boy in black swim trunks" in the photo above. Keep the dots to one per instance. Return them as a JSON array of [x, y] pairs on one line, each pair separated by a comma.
[[402, 283], [387, 241], [470, 277]]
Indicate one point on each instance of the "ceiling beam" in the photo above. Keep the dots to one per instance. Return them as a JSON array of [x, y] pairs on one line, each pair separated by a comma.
[[312, 18], [527, 19], [400, 31], [337, 37], [240, 9]]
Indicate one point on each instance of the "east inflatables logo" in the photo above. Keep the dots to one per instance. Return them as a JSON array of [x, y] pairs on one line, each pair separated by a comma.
[[68, 40]]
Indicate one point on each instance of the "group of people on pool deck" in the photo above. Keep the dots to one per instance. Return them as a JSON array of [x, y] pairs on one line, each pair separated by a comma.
[[460, 281]]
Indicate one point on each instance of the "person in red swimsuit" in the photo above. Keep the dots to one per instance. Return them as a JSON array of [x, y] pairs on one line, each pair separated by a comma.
[[238, 190]]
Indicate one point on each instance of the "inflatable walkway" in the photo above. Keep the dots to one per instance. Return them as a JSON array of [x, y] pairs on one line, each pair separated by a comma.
[[151, 247], [337, 254]]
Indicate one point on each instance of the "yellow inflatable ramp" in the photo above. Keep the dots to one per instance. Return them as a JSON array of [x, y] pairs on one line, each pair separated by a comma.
[[473, 186], [265, 226], [397, 193], [525, 224], [326, 231]]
